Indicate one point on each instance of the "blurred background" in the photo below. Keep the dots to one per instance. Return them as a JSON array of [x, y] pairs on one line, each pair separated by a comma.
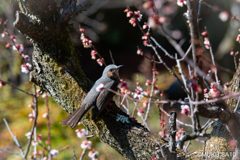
[[108, 27]]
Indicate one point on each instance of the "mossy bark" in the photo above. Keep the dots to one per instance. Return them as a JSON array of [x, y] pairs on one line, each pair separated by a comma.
[[57, 69]]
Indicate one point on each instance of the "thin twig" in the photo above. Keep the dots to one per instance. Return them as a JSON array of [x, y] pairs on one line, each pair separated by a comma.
[[10, 152], [48, 128], [18, 88], [14, 138], [111, 57], [144, 122], [237, 105], [83, 153]]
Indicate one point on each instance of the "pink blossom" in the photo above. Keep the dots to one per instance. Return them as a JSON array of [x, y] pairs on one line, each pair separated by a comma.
[[54, 153], [18, 47], [207, 43], [205, 33], [2, 83], [0, 21], [186, 14], [39, 152], [100, 87], [31, 116], [39, 138], [139, 52], [45, 95], [145, 104], [45, 115], [138, 15], [86, 144], [39, 91], [93, 54], [34, 143], [238, 38], [8, 45], [28, 135], [26, 57], [85, 41], [30, 105], [146, 92], [145, 43], [156, 90], [185, 109], [138, 93], [129, 13], [223, 16], [93, 154], [205, 90], [4, 33], [145, 25], [82, 30], [145, 36], [181, 2], [13, 37], [133, 22], [141, 110], [148, 82], [81, 133], [162, 134], [100, 62]]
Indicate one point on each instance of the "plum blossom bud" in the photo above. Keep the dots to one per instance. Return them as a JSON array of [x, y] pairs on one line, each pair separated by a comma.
[[0, 21], [186, 14], [207, 43], [8, 45], [139, 52], [205, 90], [145, 43], [223, 16], [238, 38], [214, 93], [4, 34], [50, 7], [127, 9], [185, 109], [28, 135], [133, 22], [26, 57], [86, 144], [39, 91], [100, 62], [156, 90], [148, 82], [30, 105], [141, 110], [145, 36], [34, 143], [93, 154], [100, 87], [13, 37], [39, 152], [45, 95], [129, 13], [54, 153], [145, 25], [146, 93], [39, 138], [81, 133], [138, 15], [31, 116], [18, 47], [2, 83], [145, 104], [81, 30], [205, 33], [181, 2], [45, 115], [93, 54], [232, 53]]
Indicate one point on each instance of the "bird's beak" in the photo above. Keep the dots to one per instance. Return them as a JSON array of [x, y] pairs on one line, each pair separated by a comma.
[[119, 66]]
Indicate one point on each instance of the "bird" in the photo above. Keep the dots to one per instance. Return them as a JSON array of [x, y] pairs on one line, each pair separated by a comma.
[[96, 100]]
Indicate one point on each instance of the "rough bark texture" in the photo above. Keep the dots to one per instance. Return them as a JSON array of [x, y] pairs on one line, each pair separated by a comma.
[[56, 69]]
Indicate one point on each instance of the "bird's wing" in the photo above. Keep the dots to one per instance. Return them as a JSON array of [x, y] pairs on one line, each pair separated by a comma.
[[104, 98], [73, 119]]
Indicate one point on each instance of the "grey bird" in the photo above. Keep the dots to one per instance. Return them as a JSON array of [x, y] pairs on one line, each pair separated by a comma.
[[96, 100]]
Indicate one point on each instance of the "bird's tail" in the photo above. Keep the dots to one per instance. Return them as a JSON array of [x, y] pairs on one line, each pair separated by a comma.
[[73, 119]]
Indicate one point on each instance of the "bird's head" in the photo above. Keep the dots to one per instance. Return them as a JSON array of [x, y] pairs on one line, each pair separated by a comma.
[[111, 71]]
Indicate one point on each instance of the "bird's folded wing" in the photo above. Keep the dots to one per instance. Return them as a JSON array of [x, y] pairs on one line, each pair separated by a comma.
[[104, 98]]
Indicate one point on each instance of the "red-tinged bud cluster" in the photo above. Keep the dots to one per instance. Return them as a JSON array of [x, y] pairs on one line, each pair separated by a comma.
[[145, 104], [162, 123], [146, 36], [148, 82], [5, 33], [134, 16], [100, 61], [185, 109], [145, 43], [39, 138], [205, 33], [13, 38], [123, 86], [181, 3], [2, 83], [85, 41], [195, 87], [133, 119], [146, 92], [141, 110], [0, 21], [145, 26], [232, 53], [207, 42], [163, 134], [93, 154], [238, 38], [139, 52], [156, 90], [93, 54]]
